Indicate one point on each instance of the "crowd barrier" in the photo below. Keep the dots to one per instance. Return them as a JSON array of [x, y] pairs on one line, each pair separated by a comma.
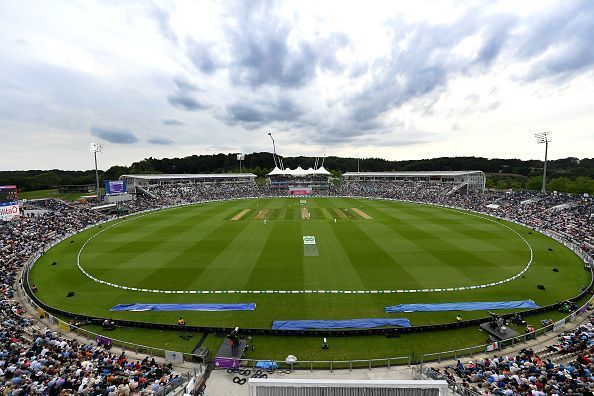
[[52, 311]]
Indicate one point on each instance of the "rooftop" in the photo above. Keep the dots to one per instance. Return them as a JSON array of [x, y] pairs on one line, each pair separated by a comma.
[[412, 173], [189, 176]]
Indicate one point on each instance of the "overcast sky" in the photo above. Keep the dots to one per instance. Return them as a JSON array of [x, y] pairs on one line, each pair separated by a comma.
[[394, 79]]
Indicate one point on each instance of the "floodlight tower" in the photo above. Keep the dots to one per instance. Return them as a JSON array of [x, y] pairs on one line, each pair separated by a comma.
[[96, 148], [544, 137], [240, 157], [280, 164]]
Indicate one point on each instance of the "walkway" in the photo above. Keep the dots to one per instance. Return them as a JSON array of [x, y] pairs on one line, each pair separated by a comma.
[[220, 383]]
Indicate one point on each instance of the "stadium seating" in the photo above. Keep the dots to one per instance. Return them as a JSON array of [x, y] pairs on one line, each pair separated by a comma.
[[43, 362]]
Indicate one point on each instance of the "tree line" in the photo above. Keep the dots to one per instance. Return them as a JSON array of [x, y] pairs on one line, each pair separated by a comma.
[[564, 175]]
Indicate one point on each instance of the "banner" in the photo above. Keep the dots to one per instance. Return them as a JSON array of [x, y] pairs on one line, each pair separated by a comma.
[[102, 340], [493, 347], [65, 327], [558, 324], [174, 357]]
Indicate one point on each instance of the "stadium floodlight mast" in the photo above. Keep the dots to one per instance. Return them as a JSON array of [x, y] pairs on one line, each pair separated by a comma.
[[240, 157], [275, 156], [544, 137], [96, 148]]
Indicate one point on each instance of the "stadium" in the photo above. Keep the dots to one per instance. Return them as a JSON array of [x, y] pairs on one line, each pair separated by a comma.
[[366, 266], [297, 198]]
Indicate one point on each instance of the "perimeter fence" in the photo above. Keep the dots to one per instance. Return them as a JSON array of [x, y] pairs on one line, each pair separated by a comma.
[[312, 364]]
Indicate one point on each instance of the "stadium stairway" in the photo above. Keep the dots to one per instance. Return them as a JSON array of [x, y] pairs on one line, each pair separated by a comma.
[[456, 188], [144, 191]]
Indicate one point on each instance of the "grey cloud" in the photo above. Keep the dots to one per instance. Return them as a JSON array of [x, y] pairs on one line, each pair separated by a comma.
[[560, 39], [397, 133], [496, 31], [160, 140], [172, 122], [185, 102], [202, 56], [161, 17], [112, 135], [254, 115], [261, 53], [327, 52], [423, 66], [184, 96], [266, 56], [184, 85]]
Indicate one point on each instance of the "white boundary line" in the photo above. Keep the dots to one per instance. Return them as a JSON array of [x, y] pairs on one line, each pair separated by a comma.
[[429, 290]]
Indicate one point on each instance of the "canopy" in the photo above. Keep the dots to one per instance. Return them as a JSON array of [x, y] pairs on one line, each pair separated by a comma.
[[299, 171]]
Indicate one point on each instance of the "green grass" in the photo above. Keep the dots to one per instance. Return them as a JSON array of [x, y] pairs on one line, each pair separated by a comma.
[[162, 339], [51, 193], [403, 246]]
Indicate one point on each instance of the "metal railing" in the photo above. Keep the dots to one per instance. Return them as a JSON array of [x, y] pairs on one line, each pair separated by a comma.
[[455, 354], [319, 364], [423, 372], [114, 342], [330, 364]]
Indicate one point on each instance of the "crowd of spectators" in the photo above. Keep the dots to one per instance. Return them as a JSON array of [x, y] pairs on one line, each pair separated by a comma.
[[34, 361], [568, 216], [533, 373]]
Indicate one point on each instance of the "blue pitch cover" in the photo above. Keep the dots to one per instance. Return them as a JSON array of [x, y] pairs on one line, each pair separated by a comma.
[[462, 306], [338, 324], [184, 307]]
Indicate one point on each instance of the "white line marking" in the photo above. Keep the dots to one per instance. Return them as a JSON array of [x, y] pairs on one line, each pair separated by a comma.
[[461, 211]]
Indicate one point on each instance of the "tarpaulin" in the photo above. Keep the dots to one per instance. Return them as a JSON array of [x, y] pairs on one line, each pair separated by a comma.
[[184, 307], [267, 365], [462, 306], [338, 324]]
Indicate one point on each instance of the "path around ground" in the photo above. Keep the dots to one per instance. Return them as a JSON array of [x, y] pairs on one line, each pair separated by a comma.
[[43, 323], [220, 383]]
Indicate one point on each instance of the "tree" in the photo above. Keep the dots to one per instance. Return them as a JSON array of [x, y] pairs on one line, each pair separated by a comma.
[[561, 184], [534, 183]]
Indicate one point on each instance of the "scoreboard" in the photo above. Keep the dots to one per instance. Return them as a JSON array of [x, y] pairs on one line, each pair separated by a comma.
[[9, 202], [116, 187]]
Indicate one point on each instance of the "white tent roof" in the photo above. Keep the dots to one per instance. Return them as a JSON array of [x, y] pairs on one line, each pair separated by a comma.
[[322, 171], [276, 171], [299, 171]]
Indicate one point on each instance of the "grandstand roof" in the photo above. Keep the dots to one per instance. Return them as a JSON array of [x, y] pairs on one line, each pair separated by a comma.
[[411, 173], [189, 176], [299, 171]]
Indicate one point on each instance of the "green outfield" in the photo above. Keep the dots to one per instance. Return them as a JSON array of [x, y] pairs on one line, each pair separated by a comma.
[[362, 248]]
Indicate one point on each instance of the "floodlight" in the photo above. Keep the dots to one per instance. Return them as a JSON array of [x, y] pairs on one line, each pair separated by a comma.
[[274, 156], [96, 148], [240, 157], [544, 137]]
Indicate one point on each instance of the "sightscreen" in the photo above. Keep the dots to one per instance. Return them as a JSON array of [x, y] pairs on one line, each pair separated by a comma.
[[115, 187]]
